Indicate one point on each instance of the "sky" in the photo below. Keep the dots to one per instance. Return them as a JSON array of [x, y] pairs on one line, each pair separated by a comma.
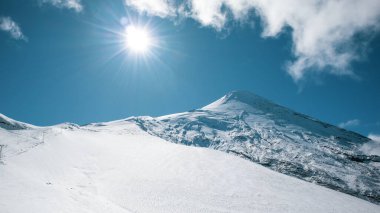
[[68, 60]]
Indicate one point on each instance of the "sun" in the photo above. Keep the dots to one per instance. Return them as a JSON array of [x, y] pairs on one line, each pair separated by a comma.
[[137, 39]]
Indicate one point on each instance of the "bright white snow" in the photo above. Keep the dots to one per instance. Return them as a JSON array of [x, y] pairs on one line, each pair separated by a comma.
[[120, 168], [254, 128]]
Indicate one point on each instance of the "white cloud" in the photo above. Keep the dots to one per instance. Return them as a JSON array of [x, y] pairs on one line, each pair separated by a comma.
[[350, 123], [68, 4], [374, 137], [161, 8], [372, 147], [208, 13], [8, 25], [322, 30]]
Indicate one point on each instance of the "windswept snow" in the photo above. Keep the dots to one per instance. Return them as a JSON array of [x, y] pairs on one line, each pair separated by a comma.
[[8, 123], [256, 129], [130, 165], [120, 168]]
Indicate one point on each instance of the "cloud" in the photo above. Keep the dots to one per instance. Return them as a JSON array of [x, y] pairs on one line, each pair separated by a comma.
[[8, 25], [161, 8], [374, 137], [75, 5], [372, 147], [350, 123], [324, 32]]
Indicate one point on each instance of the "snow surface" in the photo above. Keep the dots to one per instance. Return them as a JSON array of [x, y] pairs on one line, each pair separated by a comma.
[[8, 123], [120, 168], [256, 129], [129, 165]]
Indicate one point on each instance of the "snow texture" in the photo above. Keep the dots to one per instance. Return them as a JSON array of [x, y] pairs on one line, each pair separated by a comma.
[[118, 167], [10, 124], [256, 129]]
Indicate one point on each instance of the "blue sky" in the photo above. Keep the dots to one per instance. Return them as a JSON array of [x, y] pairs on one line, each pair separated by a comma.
[[65, 61]]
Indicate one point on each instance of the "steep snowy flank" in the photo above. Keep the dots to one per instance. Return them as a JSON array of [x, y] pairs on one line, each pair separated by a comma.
[[117, 167], [10, 124], [256, 129]]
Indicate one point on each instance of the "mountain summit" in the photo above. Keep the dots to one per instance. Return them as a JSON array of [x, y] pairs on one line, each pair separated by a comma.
[[240, 97], [256, 129], [116, 166]]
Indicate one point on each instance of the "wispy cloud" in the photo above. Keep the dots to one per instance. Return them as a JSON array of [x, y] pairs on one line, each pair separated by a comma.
[[75, 5], [8, 25], [350, 123], [372, 147], [161, 8], [374, 137], [323, 31]]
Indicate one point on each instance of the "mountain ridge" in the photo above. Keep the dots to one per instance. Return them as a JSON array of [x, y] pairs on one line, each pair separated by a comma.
[[254, 128], [117, 167], [11, 124]]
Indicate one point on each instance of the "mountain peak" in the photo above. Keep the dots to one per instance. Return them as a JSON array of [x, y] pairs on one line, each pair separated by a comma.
[[242, 96], [239, 97]]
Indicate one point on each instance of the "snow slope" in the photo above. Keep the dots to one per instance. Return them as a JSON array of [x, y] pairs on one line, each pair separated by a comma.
[[256, 129], [8, 123], [117, 167]]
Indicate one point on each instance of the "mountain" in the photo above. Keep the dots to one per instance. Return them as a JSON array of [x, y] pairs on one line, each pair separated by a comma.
[[256, 129], [135, 165], [10, 124]]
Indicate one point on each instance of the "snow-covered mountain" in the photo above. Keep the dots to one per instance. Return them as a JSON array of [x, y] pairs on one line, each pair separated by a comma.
[[10, 124], [130, 165], [256, 129]]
